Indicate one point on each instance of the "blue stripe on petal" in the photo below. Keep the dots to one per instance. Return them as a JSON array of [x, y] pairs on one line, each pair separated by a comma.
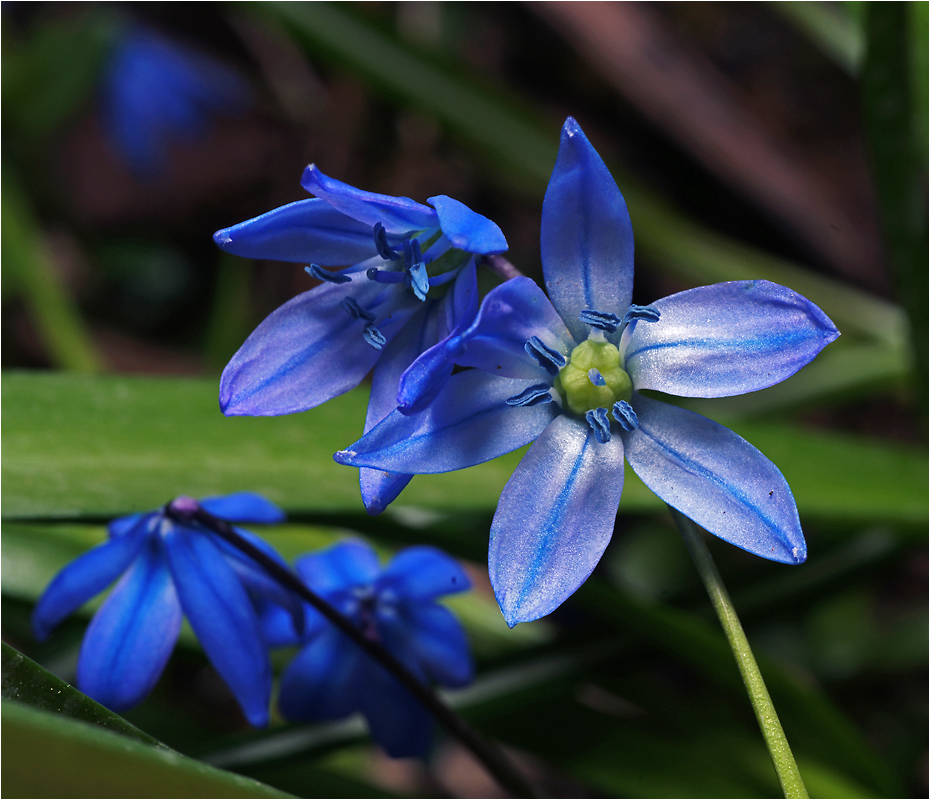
[[131, 637], [726, 339], [554, 519], [302, 232], [716, 478], [587, 238], [466, 229], [223, 617]]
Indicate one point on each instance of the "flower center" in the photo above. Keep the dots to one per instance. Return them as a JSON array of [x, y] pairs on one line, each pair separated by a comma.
[[593, 378]]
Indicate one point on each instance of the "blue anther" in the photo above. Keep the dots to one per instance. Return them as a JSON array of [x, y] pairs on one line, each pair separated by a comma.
[[602, 320], [531, 397], [595, 377], [645, 313], [381, 244], [316, 271], [418, 279], [412, 253], [550, 360], [374, 337], [625, 415], [353, 309], [385, 275], [600, 424]]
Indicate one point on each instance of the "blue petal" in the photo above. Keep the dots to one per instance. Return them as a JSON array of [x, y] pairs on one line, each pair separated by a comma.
[[423, 573], [310, 349], [322, 680], [468, 423], [716, 478], [243, 507], [587, 238], [397, 214], [305, 231], [395, 717], [495, 342], [726, 339], [223, 618], [131, 637], [343, 566], [466, 229], [123, 525], [554, 519], [86, 576], [440, 643]]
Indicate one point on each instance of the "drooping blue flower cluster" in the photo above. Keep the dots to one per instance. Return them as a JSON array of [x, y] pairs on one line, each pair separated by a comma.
[[156, 90], [331, 677], [568, 371], [169, 567], [410, 283]]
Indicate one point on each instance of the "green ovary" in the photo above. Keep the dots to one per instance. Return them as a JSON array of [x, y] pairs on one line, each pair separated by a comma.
[[579, 394]]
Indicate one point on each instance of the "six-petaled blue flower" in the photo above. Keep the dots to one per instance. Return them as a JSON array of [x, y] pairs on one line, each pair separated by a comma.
[[331, 677], [411, 283], [155, 90], [168, 567], [568, 371]]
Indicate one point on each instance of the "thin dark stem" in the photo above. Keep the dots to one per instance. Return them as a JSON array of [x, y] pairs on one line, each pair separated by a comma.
[[502, 267], [493, 760]]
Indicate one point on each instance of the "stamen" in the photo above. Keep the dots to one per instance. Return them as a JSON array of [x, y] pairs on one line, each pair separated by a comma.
[[385, 275], [418, 279], [353, 309], [381, 244], [595, 377], [316, 271], [645, 313], [439, 280], [374, 337], [602, 320], [550, 360], [625, 415], [597, 419], [531, 397]]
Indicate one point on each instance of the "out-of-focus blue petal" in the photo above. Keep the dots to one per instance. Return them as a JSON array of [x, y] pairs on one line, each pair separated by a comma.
[[466, 229], [342, 566], [303, 232], [395, 717], [554, 519], [131, 637], [716, 478], [322, 680], [396, 214], [86, 576], [469, 422], [422, 574], [430, 367], [123, 525], [726, 339], [311, 349], [221, 614], [243, 507], [439, 642], [587, 238]]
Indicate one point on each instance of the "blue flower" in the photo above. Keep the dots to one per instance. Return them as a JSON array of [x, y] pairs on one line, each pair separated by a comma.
[[567, 371], [411, 282], [331, 677], [155, 90], [168, 568]]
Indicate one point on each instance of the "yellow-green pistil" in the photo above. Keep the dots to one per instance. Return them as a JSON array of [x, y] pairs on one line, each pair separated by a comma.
[[576, 387]]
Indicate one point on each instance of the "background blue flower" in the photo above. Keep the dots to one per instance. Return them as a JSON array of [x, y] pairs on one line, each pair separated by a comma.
[[168, 569], [568, 373], [396, 605]]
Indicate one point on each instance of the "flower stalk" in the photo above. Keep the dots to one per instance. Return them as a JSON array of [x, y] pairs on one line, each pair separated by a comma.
[[492, 759], [785, 766]]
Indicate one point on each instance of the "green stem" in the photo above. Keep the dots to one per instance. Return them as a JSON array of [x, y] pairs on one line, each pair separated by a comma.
[[791, 783]]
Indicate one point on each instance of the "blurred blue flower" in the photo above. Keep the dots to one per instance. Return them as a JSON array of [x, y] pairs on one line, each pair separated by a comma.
[[331, 677], [169, 566], [411, 283], [568, 370], [156, 90]]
